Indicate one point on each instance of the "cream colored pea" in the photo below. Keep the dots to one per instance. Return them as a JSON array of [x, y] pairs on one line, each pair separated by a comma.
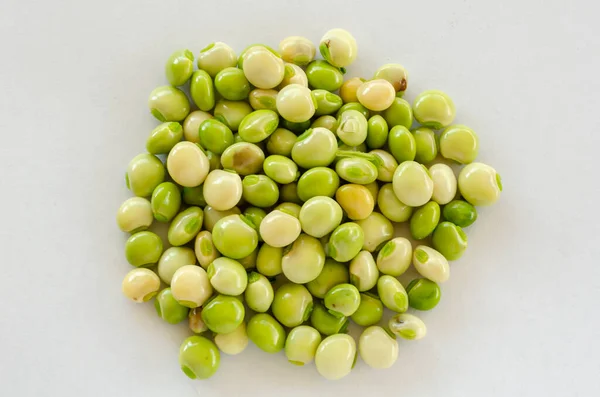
[[363, 271], [389, 205], [335, 356], [222, 189], [205, 250], [135, 215], [338, 47], [431, 264], [140, 285], [190, 286], [376, 94], [444, 183], [407, 326], [191, 125], [304, 261], [234, 342], [395, 74], [385, 171], [172, 259], [412, 184], [479, 184], [279, 229], [301, 344], [295, 103], [187, 164], [216, 57], [459, 143], [395, 257], [298, 50], [293, 75], [377, 348], [262, 68]]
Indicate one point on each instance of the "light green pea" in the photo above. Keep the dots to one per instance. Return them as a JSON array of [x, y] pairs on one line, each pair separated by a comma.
[[338, 47], [263, 99], [424, 220], [315, 148], [434, 109], [445, 184], [362, 148], [289, 193], [194, 196], [396, 75], [426, 145], [387, 165], [266, 333], [325, 322], [318, 181], [479, 184], [298, 50], [231, 84], [143, 249], [336, 356], [423, 294], [172, 259], [205, 250], [235, 236], [431, 264], [215, 57], [168, 308], [402, 144], [342, 300], [244, 158], [249, 262], [215, 136], [280, 169], [395, 257], [214, 161], [269, 260], [292, 304], [333, 273], [292, 209], [179, 67], [320, 215], [303, 260], [164, 137], [258, 125], [231, 113], [144, 173], [256, 215], [377, 230], [378, 347], [259, 293], [450, 240], [199, 358], [227, 276], [168, 103], [407, 326], [202, 90], [262, 66], [460, 213], [356, 170], [281, 142], [369, 312], [363, 271], [412, 184], [345, 242], [323, 76], [234, 342], [301, 345], [296, 103], [260, 190], [352, 127], [297, 128], [459, 143], [377, 132], [293, 74], [212, 216], [166, 201], [373, 188], [280, 229], [223, 314], [191, 125], [327, 121], [354, 106], [399, 114], [135, 215], [185, 226], [392, 294], [327, 102]]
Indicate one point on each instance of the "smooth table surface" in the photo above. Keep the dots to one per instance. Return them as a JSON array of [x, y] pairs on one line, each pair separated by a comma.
[[519, 315]]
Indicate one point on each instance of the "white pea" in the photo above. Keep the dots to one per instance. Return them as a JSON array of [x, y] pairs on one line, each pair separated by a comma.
[[172, 259], [335, 356], [279, 229], [363, 271], [187, 164], [377, 348], [479, 184], [376, 94], [135, 215], [395, 257], [293, 75], [140, 285], [262, 68], [234, 342], [431, 264], [222, 190], [304, 261], [408, 326], [295, 103], [412, 184], [444, 183], [190, 286], [191, 125], [301, 344]]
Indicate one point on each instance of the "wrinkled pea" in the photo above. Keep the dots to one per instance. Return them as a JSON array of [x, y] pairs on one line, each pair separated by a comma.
[[377, 230], [318, 181], [356, 201], [363, 271], [281, 169], [292, 304], [260, 190], [223, 314], [168, 308], [369, 312], [279, 229], [434, 109], [431, 264], [202, 90], [390, 206], [235, 236], [348, 90], [168, 103], [144, 173], [297, 50], [135, 215], [212, 216], [352, 127], [479, 184], [244, 158], [179, 67], [258, 125], [323, 76], [335, 356], [449, 240], [190, 286], [412, 184], [444, 183], [199, 358], [377, 132], [191, 125], [424, 220], [231, 113], [187, 164], [376, 95], [166, 201], [301, 345], [315, 148], [399, 114], [164, 137], [269, 260], [407, 326], [396, 75], [327, 102], [263, 99], [205, 250], [231, 84], [185, 226], [326, 121], [140, 285], [392, 294], [423, 294], [281, 142], [460, 213], [377, 348], [215, 57], [326, 323], [402, 144], [234, 342], [143, 249], [395, 257], [426, 145], [338, 47], [319, 216], [266, 333], [333, 273], [259, 293], [227, 276], [345, 242], [172, 259], [303, 260]]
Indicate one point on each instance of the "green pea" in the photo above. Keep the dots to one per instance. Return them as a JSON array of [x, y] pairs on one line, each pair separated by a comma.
[[223, 314], [373, 188], [215, 57], [231, 113], [143, 249], [322, 75], [231, 84], [168, 103], [362, 148], [255, 215], [352, 127], [377, 132], [249, 262], [205, 250], [377, 230], [320, 215], [363, 271], [258, 125], [269, 260], [227, 276], [387, 165], [164, 137], [424, 220], [356, 170], [354, 106], [199, 358], [179, 67], [202, 90], [281, 142], [135, 215], [423, 294], [369, 312], [303, 260], [185, 226], [395, 257], [402, 144], [338, 47], [166, 201], [345, 242], [215, 136], [259, 294], [407, 326], [450, 240], [243, 157], [292, 304], [298, 50], [289, 193], [396, 75], [459, 143], [235, 236], [333, 273], [315, 148], [399, 114], [212, 216], [194, 196], [336, 356], [214, 161], [280, 169], [327, 103], [342, 300], [479, 184], [144, 173], [172, 259], [260, 190], [301, 345], [426, 145], [263, 99], [297, 128], [392, 294], [460, 213], [266, 333], [293, 74], [434, 109], [431, 264], [168, 308], [318, 181], [325, 322], [327, 121], [292, 209], [262, 65], [412, 184]]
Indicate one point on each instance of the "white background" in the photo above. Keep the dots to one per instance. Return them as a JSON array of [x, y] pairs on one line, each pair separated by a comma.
[[519, 316]]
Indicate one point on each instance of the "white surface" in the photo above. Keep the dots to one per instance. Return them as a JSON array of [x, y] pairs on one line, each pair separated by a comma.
[[519, 316]]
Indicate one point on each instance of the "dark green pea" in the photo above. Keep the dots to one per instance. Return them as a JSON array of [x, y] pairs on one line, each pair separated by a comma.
[[258, 125], [402, 144], [215, 136], [185, 226], [326, 323], [223, 314], [289, 193], [266, 333], [194, 196], [244, 158], [345, 242], [424, 220], [356, 170], [168, 308], [354, 106], [232, 84], [179, 67], [327, 103], [260, 190], [328, 122], [423, 294], [281, 169], [166, 201], [449, 240], [460, 213], [263, 99], [318, 181], [143, 249], [399, 113], [426, 145], [369, 312], [322, 75], [281, 142], [377, 132], [333, 273], [164, 137], [256, 215], [231, 113], [298, 128], [202, 90]]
